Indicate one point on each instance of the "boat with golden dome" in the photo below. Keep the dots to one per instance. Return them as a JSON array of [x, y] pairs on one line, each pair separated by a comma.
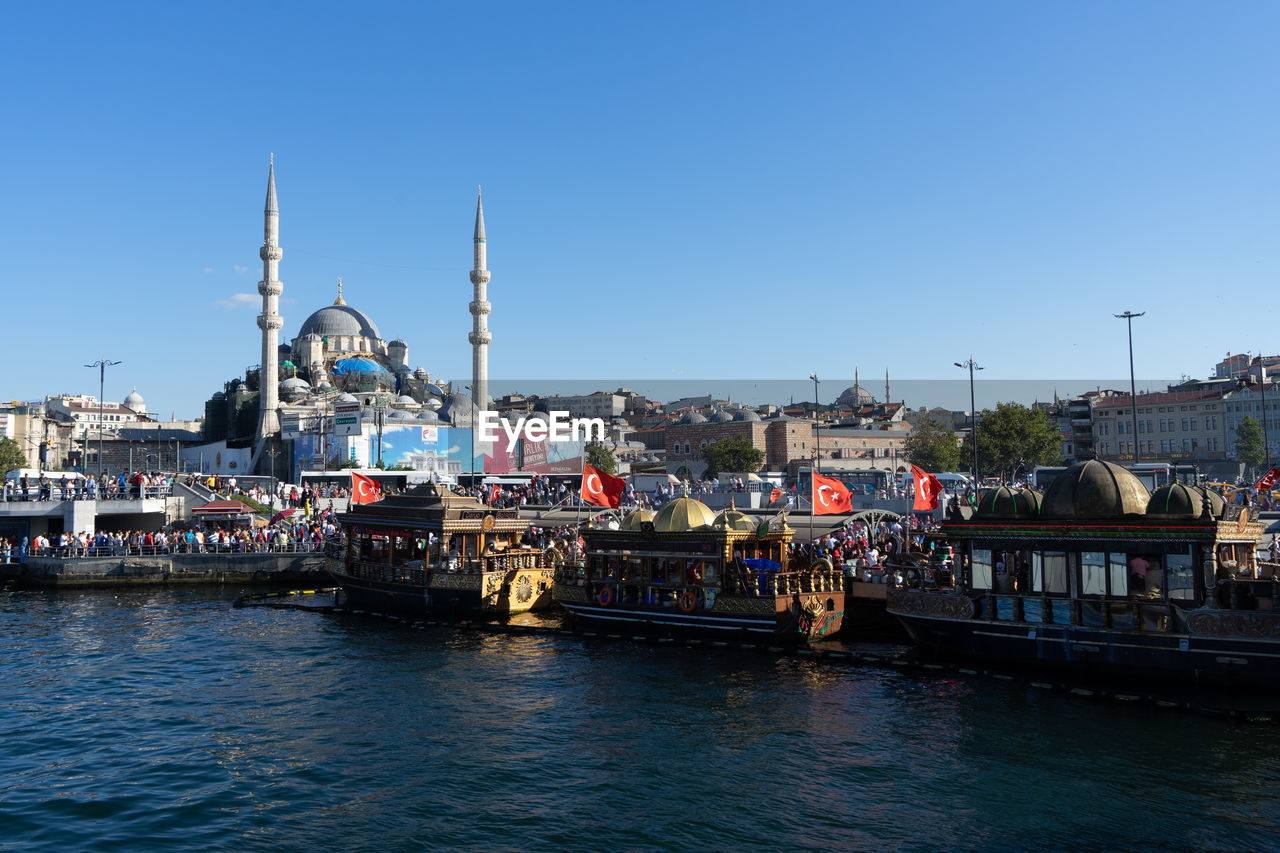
[[1101, 577], [687, 570], [430, 550]]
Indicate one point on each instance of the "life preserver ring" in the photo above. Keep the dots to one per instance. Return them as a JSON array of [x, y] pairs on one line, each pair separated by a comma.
[[605, 597], [688, 601]]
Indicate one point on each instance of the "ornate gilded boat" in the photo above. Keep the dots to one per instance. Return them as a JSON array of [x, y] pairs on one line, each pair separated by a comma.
[[1102, 578], [690, 571], [432, 551]]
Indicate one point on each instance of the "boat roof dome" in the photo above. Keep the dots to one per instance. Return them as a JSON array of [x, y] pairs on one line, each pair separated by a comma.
[[1182, 501], [637, 517], [1095, 489], [1005, 502], [683, 514]]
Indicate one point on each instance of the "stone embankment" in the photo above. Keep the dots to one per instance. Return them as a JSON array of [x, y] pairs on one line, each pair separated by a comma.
[[241, 569]]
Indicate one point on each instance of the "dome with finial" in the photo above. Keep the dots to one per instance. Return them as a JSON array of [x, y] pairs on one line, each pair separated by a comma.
[[730, 518], [747, 415], [1005, 502], [339, 319], [134, 401], [720, 417], [683, 514], [636, 518], [1095, 489], [1178, 500]]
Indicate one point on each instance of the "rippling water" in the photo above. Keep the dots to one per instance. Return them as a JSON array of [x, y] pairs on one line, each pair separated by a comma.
[[169, 720]]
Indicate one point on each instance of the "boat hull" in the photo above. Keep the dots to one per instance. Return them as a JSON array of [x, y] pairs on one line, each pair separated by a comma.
[[449, 594], [1218, 648], [797, 618]]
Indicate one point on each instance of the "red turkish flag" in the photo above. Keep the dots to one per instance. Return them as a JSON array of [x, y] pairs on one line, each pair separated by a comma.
[[1268, 480], [829, 496], [364, 490], [775, 495], [495, 492], [927, 489], [600, 488]]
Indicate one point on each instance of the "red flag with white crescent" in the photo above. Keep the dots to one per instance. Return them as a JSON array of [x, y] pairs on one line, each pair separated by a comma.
[[775, 495], [830, 496], [495, 492], [927, 489], [364, 490], [600, 488], [1268, 480]]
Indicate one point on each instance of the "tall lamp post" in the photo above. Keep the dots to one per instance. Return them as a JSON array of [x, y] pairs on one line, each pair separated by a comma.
[[817, 439], [1133, 388], [102, 364], [973, 418]]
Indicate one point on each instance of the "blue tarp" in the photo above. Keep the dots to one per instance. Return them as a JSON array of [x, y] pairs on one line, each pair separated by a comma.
[[357, 365], [761, 564]]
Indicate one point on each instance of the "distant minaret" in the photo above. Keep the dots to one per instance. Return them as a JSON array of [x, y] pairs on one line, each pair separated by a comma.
[[480, 309], [269, 321], [886, 386]]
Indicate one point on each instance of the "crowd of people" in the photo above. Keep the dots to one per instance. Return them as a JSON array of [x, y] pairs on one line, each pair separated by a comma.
[[59, 486]]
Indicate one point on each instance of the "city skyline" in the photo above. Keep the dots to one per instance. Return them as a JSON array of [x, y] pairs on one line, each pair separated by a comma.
[[721, 190]]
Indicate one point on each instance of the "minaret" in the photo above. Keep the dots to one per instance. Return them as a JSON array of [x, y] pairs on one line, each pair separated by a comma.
[[886, 387], [480, 309], [269, 321]]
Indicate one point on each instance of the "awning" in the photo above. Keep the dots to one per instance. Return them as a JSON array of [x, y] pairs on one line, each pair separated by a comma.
[[223, 508]]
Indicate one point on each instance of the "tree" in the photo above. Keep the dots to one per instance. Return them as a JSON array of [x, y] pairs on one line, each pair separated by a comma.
[[735, 453], [1014, 436], [600, 458], [11, 456], [933, 447], [1249, 445]]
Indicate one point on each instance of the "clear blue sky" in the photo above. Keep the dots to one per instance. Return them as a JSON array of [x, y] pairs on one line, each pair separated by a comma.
[[672, 190]]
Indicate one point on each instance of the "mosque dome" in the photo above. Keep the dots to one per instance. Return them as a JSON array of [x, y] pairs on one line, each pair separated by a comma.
[[346, 398], [398, 342], [720, 417], [683, 514], [855, 395], [1005, 502], [294, 388], [134, 401], [635, 518], [747, 415], [691, 418], [347, 366], [406, 400], [420, 373], [429, 417], [1179, 500], [1095, 489], [334, 320]]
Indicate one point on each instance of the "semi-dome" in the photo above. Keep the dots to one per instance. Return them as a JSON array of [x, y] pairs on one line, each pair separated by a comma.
[[334, 320], [347, 366], [636, 518], [1005, 502], [1179, 500], [1095, 489], [683, 514]]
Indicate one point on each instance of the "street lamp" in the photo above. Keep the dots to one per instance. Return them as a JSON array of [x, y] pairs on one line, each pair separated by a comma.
[[1133, 388], [817, 439], [102, 364], [973, 418]]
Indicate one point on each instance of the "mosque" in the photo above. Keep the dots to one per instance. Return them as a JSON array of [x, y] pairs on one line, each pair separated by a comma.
[[339, 356]]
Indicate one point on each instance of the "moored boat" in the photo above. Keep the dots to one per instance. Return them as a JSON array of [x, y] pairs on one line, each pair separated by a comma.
[[432, 551], [690, 571], [1101, 578]]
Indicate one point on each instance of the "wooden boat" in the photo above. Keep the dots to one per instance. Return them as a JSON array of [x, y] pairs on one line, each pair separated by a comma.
[[1099, 577], [432, 551], [689, 571]]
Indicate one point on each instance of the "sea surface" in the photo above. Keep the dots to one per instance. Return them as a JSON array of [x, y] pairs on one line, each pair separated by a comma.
[[169, 720]]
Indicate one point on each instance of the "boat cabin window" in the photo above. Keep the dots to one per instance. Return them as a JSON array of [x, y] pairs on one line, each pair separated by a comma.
[[1119, 576], [1179, 577], [981, 569], [1049, 572], [1146, 576], [1093, 573]]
